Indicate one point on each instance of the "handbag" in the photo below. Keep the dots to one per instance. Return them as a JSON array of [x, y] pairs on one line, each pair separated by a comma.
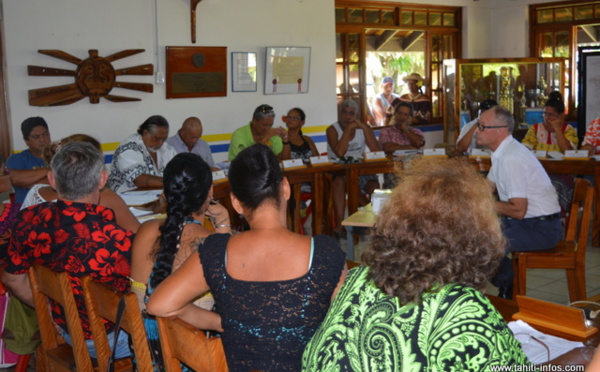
[[7, 357], [21, 332]]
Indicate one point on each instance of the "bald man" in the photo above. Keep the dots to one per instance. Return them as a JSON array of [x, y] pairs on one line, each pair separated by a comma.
[[187, 139]]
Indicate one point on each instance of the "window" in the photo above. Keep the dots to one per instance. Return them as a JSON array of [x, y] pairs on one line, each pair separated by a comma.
[[393, 40], [557, 29]]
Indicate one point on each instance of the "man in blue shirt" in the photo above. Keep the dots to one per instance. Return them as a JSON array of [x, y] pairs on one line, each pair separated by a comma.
[[28, 168], [187, 139]]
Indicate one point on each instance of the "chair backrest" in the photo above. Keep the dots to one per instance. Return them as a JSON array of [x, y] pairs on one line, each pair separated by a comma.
[[581, 207], [352, 264], [102, 301], [45, 284], [182, 342]]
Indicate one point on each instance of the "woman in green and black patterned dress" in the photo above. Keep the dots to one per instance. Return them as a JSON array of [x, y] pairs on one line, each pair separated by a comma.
[[416, 303]]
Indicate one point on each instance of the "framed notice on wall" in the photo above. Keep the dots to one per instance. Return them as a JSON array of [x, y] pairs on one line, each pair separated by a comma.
[[287, 70], [243, 72], [196, 72]]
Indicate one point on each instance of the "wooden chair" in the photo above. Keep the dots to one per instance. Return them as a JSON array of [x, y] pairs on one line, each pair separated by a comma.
[[56, 354], [102, 301], [352, 264], [569, 254], [182, 342]]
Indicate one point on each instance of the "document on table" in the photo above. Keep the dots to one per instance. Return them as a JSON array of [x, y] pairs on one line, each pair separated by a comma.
[[533, 342], [137, 198]]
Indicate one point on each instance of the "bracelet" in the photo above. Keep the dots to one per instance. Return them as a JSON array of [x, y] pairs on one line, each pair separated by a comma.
[[285, 143], [219, 226]]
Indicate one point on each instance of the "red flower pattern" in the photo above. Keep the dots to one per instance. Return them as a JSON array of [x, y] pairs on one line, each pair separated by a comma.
[[82, 239]]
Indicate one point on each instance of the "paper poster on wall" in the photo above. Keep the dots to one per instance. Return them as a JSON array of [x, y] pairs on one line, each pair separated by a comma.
[[287, 70]]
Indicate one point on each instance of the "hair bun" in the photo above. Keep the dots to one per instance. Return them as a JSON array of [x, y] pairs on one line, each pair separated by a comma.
[[555, 96]]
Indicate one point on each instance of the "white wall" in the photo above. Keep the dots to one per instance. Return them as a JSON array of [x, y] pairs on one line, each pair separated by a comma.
[[75, 26], [492, 28]]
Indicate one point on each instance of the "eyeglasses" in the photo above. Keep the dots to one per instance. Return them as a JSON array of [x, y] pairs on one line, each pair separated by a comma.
[[484, 127], [293, 118], [549, 114]]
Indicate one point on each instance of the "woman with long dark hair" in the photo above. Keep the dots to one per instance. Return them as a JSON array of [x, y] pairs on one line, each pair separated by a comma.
[[162, 245], [272, 287]]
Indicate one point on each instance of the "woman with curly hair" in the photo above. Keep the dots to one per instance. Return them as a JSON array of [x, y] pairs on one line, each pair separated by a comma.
[[272, 287], [416, 303], [162, 245]]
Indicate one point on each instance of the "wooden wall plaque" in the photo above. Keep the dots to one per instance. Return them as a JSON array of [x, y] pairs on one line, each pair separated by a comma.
[[196, 72]]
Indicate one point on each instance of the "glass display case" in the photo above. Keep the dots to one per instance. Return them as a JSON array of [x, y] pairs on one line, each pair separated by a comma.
[[522, 85]]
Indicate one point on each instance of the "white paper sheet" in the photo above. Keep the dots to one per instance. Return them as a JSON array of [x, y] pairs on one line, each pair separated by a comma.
[[534, 350], [136, 198]]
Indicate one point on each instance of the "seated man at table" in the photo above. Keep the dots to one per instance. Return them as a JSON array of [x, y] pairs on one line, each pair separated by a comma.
[[28, 167], [349, 137], [528, 202], [141, 158], [260, 130], [401, 136], [187, 139], [73, 234], [466, 139]]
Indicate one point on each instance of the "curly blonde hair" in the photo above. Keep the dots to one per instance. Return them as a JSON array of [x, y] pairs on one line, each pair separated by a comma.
[[438, 227], [51, 149]]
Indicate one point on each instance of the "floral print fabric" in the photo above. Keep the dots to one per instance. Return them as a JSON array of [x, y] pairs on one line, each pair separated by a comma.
[[82, 239]]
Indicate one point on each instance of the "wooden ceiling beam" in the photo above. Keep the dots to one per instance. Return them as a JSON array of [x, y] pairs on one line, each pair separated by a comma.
[[382, 39], [410, 40]]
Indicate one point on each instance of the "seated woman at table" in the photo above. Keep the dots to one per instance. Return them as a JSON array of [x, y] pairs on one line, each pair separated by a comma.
[[416, 304], [301, 146], [272, 287], [139, 161], [553, 134], [42, 193], [162, 245]]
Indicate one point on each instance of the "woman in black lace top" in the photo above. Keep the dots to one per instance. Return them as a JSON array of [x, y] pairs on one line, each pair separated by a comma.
[[272, 287]]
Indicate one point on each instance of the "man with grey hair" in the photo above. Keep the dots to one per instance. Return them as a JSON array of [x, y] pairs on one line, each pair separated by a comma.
[[528, 202], [349, 137], [72, 234], [260, 130]]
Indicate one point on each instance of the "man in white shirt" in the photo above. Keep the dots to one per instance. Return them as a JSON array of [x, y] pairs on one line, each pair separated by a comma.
[[528, 202]]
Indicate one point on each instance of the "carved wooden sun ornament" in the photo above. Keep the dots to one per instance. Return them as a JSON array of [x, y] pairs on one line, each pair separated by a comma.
[[94, 78]]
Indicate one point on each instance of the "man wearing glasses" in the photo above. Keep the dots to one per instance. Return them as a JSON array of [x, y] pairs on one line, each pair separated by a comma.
[[28, 168], [260, 130], [528, 202]]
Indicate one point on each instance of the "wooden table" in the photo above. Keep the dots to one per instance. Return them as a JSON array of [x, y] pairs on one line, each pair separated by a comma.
[[507, 308], [571, 167], [317, 176], [364, 218]]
